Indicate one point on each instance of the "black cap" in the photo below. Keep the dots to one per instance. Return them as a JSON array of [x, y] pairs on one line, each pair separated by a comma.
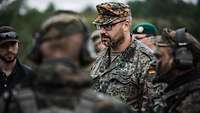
[[7, 34]]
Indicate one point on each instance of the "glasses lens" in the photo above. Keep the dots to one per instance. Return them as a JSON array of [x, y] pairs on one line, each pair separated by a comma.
[[107, 27]]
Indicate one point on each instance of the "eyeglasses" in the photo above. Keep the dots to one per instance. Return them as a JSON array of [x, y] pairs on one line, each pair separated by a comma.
[[8, 34], [108, 27]]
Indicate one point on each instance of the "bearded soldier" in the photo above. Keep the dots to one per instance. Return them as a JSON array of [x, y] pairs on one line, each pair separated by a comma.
[[178, 59], [121, 69]]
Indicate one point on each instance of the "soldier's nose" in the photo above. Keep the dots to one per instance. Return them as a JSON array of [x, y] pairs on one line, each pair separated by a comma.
[[102, 30]]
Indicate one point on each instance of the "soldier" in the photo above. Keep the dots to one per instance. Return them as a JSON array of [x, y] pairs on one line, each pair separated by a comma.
[[59, 84], [121, 69], [178, 55], [146, 33]]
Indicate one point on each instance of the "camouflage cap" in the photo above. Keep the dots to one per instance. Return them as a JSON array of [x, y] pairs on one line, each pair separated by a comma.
[[111, 11]]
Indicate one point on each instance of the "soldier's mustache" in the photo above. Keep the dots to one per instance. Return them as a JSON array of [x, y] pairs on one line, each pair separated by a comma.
[[105, 37]]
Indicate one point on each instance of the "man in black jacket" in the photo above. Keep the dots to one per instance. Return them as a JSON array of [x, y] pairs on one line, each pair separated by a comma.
[[12, 71]]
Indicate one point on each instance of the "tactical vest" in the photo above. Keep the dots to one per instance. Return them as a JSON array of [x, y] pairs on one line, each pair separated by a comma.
[[175, 97]]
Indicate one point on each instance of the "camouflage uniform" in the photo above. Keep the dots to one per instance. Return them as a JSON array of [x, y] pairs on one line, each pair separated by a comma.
[[65, 87], [126, 78], [59, 85]]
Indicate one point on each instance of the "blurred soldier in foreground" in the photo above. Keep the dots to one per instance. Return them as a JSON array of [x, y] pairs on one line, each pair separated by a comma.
[[146, 33], [59, 85], [178, 54], [121, 69], [12, 72], [95, 36]]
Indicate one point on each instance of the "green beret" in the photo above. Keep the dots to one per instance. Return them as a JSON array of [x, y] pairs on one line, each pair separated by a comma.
[[144, 28]]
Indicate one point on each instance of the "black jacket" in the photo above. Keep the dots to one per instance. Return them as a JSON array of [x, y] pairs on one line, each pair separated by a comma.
[[8, 85]]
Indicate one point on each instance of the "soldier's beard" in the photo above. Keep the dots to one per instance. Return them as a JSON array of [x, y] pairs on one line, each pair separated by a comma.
[[8, 58], [117, 43], [163, 76], [113, 43]]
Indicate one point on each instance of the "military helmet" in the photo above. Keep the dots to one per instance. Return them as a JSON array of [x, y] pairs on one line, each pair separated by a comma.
[[145, 28], [186, 48], [62, 24]]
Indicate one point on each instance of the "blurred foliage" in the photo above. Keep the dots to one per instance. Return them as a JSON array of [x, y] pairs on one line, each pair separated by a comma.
[[25, 24], [162, 13], [168, 13]]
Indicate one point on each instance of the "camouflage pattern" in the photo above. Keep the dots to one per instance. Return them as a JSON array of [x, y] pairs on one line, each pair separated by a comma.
[[183, 90], [107, 107], [59, 86], [126, 78], [61, 25], [184, 98], [110, 11], [74, 24]]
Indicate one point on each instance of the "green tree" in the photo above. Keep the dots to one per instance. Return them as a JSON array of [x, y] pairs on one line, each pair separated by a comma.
[[25, 24]]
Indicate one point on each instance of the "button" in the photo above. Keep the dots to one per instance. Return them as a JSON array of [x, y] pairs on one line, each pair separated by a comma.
[[6, 95]]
